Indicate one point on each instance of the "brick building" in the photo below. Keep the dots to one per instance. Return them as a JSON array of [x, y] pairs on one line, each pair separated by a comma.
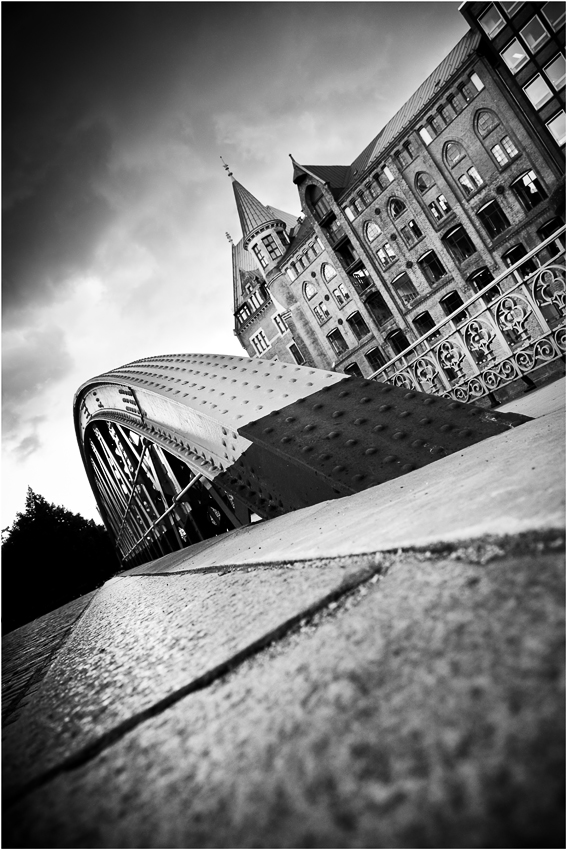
[[464, 180]]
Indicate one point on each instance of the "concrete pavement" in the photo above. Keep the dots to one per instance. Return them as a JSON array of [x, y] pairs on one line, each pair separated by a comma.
[[379, 671]]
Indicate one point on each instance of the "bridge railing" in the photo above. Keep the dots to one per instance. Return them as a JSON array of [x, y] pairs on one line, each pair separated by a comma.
[[511, 327]]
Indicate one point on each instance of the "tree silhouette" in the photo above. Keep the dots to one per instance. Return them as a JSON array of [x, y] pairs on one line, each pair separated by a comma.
[[49, 557]]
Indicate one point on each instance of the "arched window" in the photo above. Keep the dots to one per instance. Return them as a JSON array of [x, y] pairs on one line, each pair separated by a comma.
[[309, 291], [396, 208], [423, 182], [485, 122], [328, 272], [371, 231], [453, 152]]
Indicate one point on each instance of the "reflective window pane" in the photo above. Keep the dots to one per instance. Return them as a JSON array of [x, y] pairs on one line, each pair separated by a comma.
[[534, 34], [555, 72], [491, 21], [538, 92], [514, 56]]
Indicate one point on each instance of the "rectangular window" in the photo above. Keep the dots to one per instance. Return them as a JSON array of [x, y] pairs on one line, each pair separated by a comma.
[[459, 244], [426, 135], [291, 274], [402, 158], [476, 81], [466, 184], [280, 323], [411, 232], [260, 342], [296, 354], [499, 155], [372, 190], [260, 256], [557, 127], [467, 92], [431, 267], [529, 190], [256, 301], [337, 342], [491, 21], [375, 358], [514, 56], [555, 14], [445, 114], [388, 174], [423, 323], [357, 325], [349, 213], [404, 287], [341, 294], [452, 302], [321, 312], [534, 34], [271, 245], [244, 313], [475, 176], [493, 219], [435, 125], [410, 149], [509, 147], [555, 72], [386, 254], [435, 211], [443, 203], [457, 104], [538, 92]]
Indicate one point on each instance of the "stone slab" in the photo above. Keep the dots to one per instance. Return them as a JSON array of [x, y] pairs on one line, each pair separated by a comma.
[[508, 484], [539, 402], [142, 639], [425, 710], [28, 651]]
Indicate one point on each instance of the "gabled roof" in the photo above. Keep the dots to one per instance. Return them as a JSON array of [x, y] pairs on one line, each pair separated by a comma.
[[334, 175]]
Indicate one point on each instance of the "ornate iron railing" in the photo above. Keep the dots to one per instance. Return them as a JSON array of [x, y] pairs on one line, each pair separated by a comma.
[[514, 325]]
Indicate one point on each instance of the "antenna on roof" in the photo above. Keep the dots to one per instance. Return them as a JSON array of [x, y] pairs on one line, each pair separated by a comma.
[[229, 237], [226, 167]]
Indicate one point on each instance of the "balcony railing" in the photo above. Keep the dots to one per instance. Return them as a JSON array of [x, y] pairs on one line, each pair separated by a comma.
[[504, 337]]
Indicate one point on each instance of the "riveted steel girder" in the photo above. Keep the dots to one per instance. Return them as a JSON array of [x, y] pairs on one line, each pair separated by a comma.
[[181, 447]]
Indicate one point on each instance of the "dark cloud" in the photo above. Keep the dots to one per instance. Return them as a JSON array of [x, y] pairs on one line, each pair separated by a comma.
[[32, 362]]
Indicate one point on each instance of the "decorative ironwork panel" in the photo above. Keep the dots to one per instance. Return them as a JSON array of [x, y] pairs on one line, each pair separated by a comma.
[[515, 325]]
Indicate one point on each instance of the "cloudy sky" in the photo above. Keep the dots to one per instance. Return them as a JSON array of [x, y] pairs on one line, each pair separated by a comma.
[[115, 201]]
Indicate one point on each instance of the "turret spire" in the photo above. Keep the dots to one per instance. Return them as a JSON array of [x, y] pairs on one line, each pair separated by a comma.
[[251, 212], [226, 168]]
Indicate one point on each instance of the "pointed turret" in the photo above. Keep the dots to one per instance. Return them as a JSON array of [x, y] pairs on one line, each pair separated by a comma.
[[251, 212], [264, 233]]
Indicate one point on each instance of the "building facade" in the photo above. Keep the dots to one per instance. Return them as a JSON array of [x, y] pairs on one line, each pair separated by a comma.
[[463, 181]]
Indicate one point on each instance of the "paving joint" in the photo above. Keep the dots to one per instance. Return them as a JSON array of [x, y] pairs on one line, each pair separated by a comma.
[[374, 567]]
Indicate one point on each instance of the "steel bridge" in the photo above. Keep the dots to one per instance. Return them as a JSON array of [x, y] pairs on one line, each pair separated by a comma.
[[181, 448]]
